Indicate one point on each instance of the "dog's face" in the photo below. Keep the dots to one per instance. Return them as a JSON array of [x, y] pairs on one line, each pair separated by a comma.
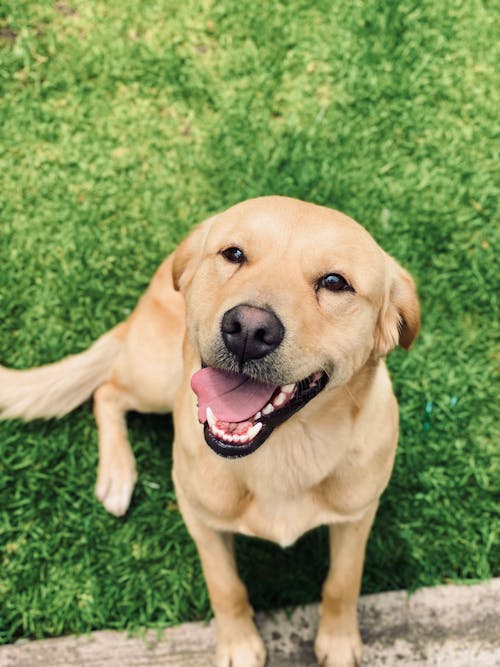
[[284, 299]]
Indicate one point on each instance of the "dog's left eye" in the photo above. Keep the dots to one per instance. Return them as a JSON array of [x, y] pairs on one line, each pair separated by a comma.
[[234, 255], [334, 282]]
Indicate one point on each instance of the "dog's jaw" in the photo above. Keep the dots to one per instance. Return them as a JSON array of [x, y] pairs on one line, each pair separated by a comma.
[[238, 439]]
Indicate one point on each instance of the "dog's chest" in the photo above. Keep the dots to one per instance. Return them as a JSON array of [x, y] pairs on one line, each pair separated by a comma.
[[282, 519], [277, 499]]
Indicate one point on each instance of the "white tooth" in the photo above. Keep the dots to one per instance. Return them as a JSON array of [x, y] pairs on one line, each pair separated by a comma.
[[268, 409], [280, 399], [257, 415], [211, 418], [252, 432], [219, 433], [288, 388]]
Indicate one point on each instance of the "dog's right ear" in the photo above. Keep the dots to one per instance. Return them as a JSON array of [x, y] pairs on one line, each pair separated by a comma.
[[188, 255]]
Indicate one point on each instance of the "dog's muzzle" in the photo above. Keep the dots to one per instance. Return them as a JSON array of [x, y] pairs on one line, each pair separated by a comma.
[[239, 413]]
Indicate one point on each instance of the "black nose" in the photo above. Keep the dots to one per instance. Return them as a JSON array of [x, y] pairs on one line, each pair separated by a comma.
[[251, 333]]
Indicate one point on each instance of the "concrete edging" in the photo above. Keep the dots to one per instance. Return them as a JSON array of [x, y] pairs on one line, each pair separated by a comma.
[[446, 626]]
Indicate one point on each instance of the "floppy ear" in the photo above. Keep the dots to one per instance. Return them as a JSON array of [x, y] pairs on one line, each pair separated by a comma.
[[399, 319], [188, 256]]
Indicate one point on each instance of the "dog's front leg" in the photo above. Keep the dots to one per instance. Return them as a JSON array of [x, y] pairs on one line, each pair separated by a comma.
[[338, 643], [238, 642]]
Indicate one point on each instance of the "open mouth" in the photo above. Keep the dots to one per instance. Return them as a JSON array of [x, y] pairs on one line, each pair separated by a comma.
[[239, 413]]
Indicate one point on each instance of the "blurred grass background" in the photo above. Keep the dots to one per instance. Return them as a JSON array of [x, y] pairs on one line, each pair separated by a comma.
[[122, 124]]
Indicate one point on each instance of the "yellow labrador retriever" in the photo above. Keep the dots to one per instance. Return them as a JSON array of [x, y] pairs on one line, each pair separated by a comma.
[[265, 333]]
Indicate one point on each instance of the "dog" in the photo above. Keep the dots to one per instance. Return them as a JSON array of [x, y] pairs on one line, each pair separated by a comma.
[[265, 333]]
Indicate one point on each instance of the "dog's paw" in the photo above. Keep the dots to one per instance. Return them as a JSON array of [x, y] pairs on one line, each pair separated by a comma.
[[115, 485], [244, 648], [338, 650]]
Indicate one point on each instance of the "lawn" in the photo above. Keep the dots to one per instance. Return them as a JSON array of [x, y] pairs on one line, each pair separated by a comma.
[[122, 124]]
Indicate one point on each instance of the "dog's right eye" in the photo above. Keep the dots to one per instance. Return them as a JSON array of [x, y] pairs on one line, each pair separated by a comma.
[[234, 255]]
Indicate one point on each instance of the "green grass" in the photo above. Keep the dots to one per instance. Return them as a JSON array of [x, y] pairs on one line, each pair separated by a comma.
[[122, 124]]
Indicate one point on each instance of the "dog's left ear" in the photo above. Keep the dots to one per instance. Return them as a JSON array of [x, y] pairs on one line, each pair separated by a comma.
[[399, 319], [188, 255]]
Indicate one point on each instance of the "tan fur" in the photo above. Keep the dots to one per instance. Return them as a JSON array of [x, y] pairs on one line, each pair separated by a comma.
[[328, 464], [56, 389]]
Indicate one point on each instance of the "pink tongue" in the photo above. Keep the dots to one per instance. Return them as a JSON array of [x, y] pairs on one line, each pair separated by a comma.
[[231, 397]]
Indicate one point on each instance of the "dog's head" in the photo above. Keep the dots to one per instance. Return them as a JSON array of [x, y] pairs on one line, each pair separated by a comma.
[[283, 299]]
